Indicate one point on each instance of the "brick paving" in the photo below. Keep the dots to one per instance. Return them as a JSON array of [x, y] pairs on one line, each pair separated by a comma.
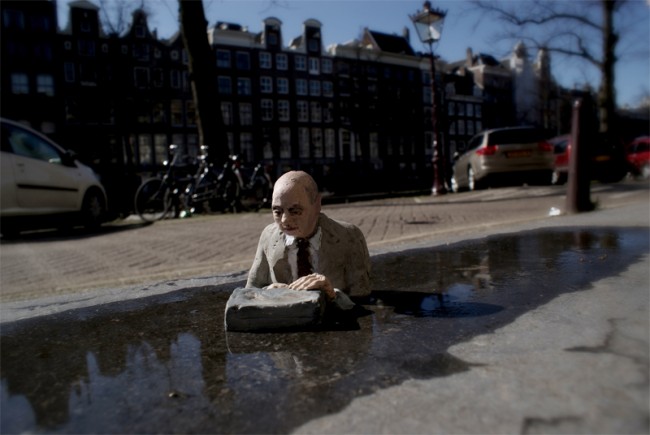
[[128, 252]]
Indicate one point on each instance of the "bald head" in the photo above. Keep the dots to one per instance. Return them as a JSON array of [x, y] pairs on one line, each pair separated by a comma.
[[297, 180], [296, 204]]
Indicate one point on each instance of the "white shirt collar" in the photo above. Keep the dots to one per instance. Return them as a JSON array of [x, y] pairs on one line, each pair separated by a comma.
[[314, 241]]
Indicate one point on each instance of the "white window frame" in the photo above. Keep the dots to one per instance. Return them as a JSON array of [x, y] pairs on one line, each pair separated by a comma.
[[266, 60], [266, 85], [282, 62]]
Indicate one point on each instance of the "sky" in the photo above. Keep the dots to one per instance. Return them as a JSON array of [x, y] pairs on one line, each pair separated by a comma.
[[465, 27]]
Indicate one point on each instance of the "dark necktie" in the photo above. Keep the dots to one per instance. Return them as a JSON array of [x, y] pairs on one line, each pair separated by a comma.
[[304, 265]]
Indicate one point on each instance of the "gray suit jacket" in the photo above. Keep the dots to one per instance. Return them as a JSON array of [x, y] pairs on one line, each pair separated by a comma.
[[343, 258]]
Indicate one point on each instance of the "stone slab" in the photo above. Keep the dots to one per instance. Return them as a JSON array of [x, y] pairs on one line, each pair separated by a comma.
[[254, 309]]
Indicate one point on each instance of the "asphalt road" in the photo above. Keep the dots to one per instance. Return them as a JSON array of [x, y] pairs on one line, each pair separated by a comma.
[[128, 252]]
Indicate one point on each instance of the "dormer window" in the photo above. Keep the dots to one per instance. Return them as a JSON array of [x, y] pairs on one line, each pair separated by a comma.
[[140, 31]]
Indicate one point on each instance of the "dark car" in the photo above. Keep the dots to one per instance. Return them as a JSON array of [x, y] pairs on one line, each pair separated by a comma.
[[504, 154], [637, 154]]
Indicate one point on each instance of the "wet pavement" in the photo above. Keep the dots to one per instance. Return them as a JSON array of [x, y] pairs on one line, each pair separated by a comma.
[[165, 364]]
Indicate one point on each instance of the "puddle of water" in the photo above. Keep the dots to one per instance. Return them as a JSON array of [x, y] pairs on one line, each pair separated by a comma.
[[165, 364]]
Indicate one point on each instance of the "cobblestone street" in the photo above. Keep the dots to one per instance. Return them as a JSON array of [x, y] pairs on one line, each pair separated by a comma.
[[128, 252]]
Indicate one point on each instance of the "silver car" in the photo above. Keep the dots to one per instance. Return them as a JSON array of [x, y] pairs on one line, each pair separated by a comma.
[[520, 154], [39, 179]]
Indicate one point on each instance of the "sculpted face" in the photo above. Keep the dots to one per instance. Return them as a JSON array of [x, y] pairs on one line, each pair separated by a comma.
[[296, 204]]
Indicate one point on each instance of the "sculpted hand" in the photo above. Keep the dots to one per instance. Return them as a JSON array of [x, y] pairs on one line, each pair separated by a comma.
[[277, 285], [315, 281]]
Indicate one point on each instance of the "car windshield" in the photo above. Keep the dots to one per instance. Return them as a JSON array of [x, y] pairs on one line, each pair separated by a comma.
[[515, 136]]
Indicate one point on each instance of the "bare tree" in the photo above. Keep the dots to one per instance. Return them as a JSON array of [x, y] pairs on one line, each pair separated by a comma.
[[574, 29], [202, 71]]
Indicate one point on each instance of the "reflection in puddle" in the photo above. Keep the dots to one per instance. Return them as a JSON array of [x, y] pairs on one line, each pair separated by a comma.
[[168, 365]]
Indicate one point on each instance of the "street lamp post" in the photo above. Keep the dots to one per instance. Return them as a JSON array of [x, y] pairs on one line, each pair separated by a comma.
[[428, 25]]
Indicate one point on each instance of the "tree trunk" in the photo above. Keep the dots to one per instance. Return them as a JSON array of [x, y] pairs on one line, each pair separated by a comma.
[[202, 71]]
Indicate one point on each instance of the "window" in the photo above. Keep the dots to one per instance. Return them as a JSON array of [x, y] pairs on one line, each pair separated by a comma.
[[303, 111], [301, 87], [223, 58], [141, 77], [313, 45], [177, 113], [226, 113], [190, 112], [267, 110], [477, 111], [326, 66], [265, 60], [86, 48], [245, 114], [246, 146], [328, 89], [374, 145], [314, 88], [317, 141], [316, 111], [145, 149], [266, 85], [29, 145], [301, 63], [45, 84], [281, 61], [158, 77], [330, 143], [303, 142], [328, 112], [160, 148], [13, 19], [158, 112], [314, 65], [243, 60], [283, 85], [19, 83], [224, 85], [451, 108], [175, 79], [283, 110], [244, 86], [285, 143], [470, 109]]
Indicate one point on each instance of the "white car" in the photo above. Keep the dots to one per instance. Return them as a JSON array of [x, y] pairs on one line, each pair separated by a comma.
[[40, 179]]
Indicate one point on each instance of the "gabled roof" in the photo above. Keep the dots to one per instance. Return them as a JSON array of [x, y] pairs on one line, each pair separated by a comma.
[[389, 43]]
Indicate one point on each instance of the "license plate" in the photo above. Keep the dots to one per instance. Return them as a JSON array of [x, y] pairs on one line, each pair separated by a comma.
[[518, 154]]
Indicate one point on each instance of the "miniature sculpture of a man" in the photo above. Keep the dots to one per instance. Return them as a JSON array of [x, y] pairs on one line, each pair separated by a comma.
[[306, 250]]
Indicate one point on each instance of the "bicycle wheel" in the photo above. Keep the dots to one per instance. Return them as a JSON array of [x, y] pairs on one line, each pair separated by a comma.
[[153, 200]]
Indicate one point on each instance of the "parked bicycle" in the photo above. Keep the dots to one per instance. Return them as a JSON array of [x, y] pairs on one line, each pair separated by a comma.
[[193, 186]]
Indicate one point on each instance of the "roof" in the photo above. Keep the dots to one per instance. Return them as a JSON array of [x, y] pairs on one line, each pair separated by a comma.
[[391, 43]]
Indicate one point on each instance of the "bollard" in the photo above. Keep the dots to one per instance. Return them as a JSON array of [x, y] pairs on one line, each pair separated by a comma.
[[578, 197]]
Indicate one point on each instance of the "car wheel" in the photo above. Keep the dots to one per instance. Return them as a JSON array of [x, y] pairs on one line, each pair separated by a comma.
[[558, 178], [645, 172], [454, 185], [472, 184], [93, 209]]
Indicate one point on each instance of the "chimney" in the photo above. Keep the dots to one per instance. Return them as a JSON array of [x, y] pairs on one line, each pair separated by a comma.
[[469, 59], [406, 34]]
